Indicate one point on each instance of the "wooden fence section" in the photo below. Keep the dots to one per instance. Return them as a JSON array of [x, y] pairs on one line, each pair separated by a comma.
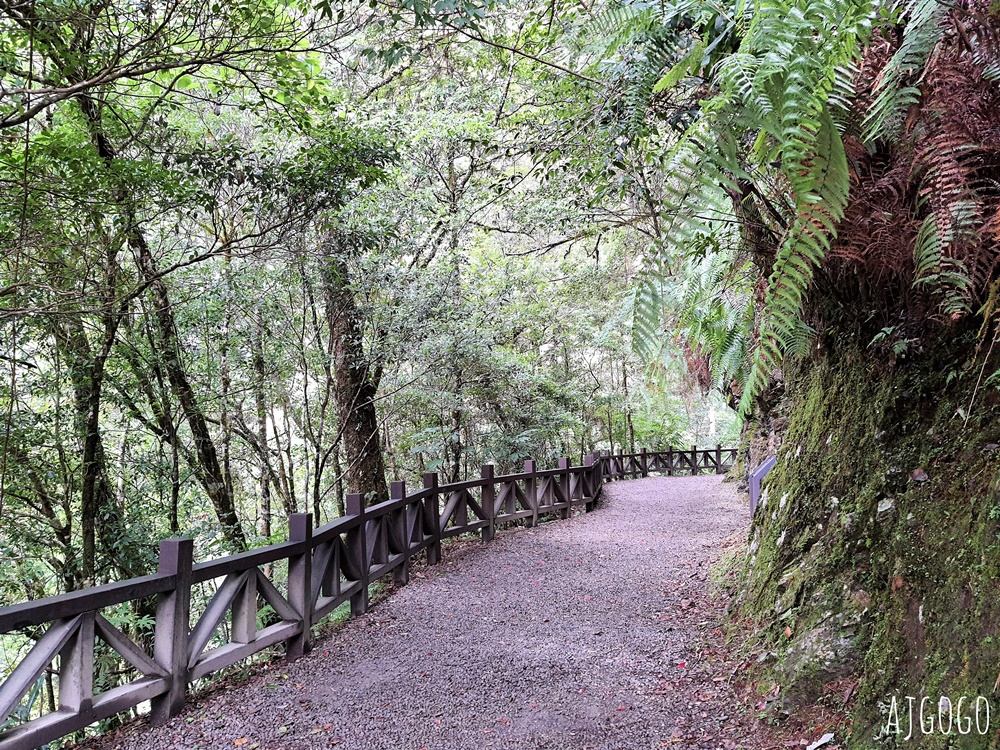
[[672, 462], [249, 612]]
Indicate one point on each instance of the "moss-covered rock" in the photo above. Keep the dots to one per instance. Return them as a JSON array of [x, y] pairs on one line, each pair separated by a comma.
[[877, 543]]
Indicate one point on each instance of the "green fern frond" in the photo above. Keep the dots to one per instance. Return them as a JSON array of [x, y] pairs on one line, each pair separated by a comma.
[[647, 317], [801, 339], [945, 277], [688, 65], [708, 306], [787, 85], [924, 28], [926, 250], [614, 27]]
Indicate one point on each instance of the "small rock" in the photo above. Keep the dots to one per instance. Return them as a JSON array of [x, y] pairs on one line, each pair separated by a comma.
[[828, 737], [919, 475]]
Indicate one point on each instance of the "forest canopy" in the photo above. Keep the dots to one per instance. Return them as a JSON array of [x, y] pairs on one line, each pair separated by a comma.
[[261, 254]]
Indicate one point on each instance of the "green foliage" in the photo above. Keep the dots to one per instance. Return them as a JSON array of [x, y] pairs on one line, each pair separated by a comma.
[[23, 711], [782, 90], [708, 305], [895, 89], [131, 54], [947, 277], [171, 228]]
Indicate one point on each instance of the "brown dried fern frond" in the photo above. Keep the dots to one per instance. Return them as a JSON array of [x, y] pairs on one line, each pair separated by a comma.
[[943, 167]]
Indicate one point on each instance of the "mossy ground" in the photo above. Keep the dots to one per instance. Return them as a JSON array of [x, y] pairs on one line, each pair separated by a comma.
[[878, 543]]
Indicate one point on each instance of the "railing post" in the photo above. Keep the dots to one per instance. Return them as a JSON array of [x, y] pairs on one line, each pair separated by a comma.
[[300, 582], [531, 492], [644, 463], [173, 623], [357, 548], [670, 460], [591, 480], [718, 460], [488, 500], [400, 575], [432, 516], [695, 469], [565, 483]]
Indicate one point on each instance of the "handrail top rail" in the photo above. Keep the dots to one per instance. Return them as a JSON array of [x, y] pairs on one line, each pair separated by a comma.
[[72, 603], [669, 449], [241, 561], [557, 472], [337, 527]]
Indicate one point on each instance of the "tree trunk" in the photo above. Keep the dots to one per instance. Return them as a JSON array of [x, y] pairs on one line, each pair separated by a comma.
[[339, 480], [356, 381], [209, 471], [226, 381], [100, 515], [316, 422], [175, 483], [454, 448], [257, 360], [62, 524]]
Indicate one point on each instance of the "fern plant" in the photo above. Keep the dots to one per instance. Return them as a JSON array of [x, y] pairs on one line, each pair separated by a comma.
[[868, 154], [774, 116], [708, 305], [896, 90]]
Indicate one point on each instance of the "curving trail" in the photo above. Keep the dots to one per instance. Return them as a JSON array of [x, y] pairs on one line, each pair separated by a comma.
[[594, 633]]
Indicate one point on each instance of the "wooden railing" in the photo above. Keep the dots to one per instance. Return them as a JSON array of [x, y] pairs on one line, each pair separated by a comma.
[[672, 462], [326, 567]]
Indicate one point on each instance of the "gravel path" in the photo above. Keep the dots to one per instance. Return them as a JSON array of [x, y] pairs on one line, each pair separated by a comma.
[[593, 633]]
